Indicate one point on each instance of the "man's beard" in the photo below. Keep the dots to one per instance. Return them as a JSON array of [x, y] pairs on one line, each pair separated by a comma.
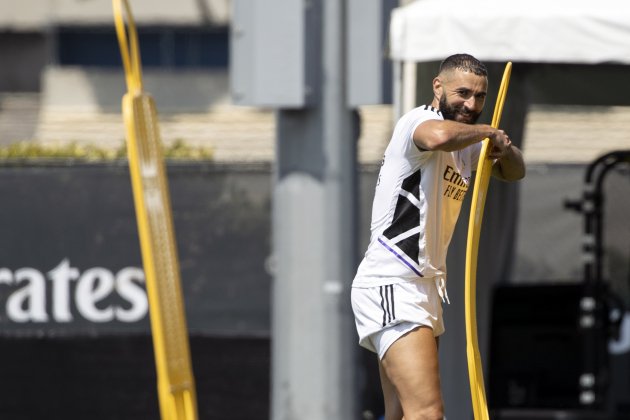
[[450, 112]]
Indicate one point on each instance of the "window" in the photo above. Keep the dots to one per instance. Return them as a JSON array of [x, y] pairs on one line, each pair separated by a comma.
[[169, 47]]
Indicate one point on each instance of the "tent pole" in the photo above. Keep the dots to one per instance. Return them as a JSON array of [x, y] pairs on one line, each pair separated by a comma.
[[396, 89], [409, 85]]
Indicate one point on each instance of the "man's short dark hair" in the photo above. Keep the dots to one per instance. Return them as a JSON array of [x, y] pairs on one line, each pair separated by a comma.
[[464, 62]]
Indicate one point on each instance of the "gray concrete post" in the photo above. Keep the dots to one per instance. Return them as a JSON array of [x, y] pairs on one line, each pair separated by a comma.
[[315, 240]]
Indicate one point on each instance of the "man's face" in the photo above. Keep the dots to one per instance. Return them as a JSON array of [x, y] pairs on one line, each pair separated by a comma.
[[463, 95]]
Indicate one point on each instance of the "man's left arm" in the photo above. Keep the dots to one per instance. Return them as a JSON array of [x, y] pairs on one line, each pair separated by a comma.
[[509, 164]]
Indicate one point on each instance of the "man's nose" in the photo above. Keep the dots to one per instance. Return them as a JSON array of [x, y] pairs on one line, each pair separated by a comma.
[[471, 103]]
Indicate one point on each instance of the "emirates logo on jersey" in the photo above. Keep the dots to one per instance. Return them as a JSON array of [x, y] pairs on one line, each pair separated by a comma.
[[456, 185]]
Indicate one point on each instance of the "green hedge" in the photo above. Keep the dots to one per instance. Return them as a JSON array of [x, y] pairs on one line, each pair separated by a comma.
[[32, 150]]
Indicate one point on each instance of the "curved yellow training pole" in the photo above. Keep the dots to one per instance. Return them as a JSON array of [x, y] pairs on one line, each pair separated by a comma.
[[482, 178], [176, 388]]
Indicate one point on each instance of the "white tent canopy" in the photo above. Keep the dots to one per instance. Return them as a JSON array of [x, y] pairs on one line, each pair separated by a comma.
[[544, 31]]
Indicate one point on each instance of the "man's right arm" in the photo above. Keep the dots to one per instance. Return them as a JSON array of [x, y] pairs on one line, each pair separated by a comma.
[[448, 136]]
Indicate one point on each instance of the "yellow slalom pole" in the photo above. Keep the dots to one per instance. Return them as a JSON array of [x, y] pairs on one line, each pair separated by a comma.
[[175, 382], [482, 178]]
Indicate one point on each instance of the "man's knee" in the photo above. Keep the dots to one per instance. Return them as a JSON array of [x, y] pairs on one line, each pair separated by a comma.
[[434, 413], [429, 412]]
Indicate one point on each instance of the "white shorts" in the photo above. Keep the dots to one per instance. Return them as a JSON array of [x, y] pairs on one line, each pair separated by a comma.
[[383, 314]]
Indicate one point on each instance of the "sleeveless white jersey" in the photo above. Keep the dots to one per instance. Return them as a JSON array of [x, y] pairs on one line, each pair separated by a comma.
[[416, 205]]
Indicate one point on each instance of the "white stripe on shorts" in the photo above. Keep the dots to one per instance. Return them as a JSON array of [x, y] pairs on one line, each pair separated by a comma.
[[387, 303]]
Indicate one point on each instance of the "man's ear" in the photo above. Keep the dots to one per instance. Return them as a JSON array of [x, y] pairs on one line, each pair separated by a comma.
[[438, 88]]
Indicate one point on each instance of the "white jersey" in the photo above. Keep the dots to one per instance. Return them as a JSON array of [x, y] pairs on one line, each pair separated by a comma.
[[416, 205]]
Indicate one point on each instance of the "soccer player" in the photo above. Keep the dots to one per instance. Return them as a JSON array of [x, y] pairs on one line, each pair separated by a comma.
[[400, 285]]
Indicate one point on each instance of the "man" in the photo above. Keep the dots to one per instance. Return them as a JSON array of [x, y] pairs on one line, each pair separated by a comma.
[[399, 288]]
